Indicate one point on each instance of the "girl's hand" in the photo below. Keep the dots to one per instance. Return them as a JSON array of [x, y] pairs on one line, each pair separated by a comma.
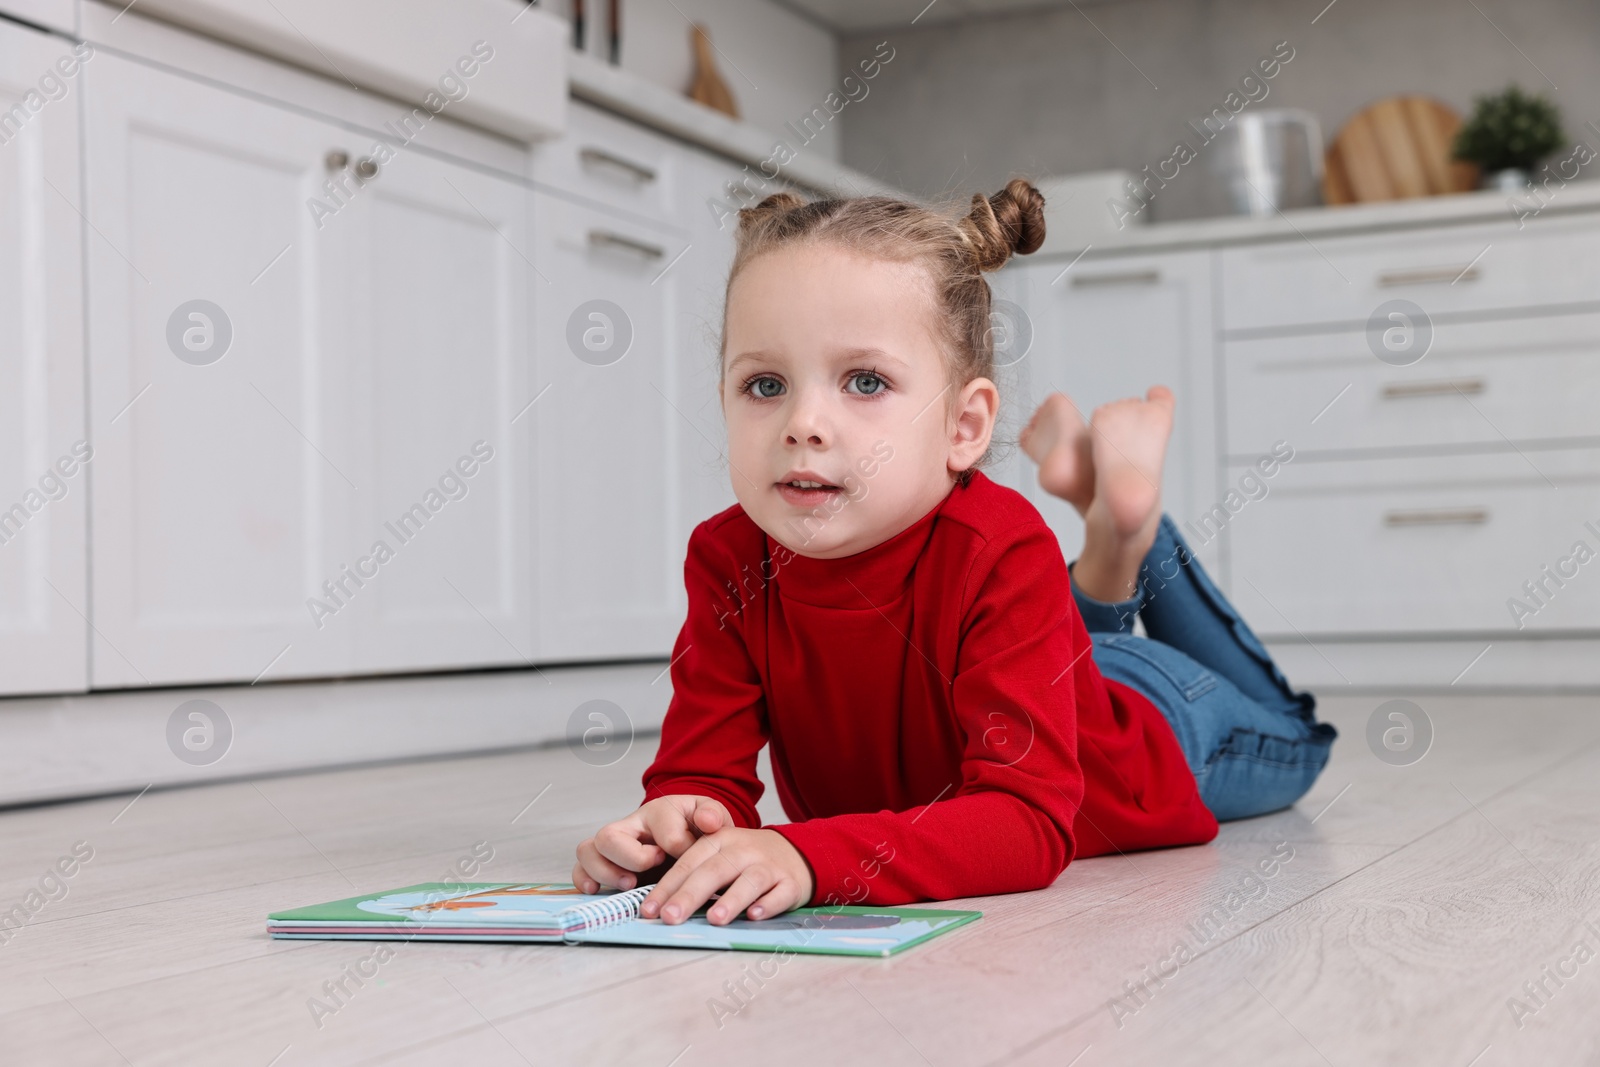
[[759, 866], [666, 826]]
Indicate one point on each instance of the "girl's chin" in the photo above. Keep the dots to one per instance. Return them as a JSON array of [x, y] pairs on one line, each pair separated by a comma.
[[821, 537]]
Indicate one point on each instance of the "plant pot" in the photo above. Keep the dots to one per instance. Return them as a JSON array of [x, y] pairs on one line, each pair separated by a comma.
[[1510, 180]]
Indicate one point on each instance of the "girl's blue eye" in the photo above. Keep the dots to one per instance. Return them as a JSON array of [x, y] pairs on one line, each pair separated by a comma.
[[875, 386], [766, 387]]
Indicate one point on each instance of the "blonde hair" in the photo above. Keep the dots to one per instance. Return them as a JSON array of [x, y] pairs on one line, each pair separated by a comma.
[[955, 252]]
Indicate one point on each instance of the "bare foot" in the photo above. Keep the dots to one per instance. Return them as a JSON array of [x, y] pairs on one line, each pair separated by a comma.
[[1057, 439], [1129, 444]]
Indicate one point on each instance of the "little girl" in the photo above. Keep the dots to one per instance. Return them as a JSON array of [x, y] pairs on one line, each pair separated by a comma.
[[952, 710]]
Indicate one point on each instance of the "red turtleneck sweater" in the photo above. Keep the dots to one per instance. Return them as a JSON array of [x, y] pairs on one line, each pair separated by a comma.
[[938, 726]]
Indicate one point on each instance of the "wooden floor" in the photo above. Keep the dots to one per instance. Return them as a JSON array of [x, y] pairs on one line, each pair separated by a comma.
[[1416, 903]]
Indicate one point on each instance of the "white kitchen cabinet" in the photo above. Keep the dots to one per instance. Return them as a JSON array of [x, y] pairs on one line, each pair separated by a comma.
[[56, 15], [409, 50], [1451, 545], [428, 315], [705, 484], [1012, 330], [223, 490], [43, 580], [1107, 328], [364, 343], [1445, 466], [632, 175], [607, 345]]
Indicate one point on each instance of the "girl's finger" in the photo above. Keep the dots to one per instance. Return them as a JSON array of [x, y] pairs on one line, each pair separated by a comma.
[[619, 842], [668, 827], [709, 816], [751, 884], [601, 869], [783, 896], [581, 879], [715, 872], [668, 883]]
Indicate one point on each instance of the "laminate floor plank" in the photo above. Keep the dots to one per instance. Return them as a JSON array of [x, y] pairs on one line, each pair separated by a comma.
[[1480, 743], [1420, 957], [1404, 905], [1030, 960]]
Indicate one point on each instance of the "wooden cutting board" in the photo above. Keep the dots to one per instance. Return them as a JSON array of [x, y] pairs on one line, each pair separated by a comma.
[[1393, 150]]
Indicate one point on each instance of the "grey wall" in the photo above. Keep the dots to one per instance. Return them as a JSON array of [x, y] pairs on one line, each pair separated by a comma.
[[966, 105]]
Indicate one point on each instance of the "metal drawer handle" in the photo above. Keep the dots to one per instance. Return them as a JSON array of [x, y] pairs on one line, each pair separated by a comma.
[[1430, 276], [600, 155], [1131, 277], [1440, 517], [1437, 387], [607, 239]]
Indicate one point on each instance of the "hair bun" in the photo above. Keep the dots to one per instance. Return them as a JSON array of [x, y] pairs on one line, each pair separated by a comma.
[[1009, 222], [776, 204]]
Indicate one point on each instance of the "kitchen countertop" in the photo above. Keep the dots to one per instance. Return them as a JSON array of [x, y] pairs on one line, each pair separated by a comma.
[[1308, 223], [606, 86], [588, 79], [600, 83]]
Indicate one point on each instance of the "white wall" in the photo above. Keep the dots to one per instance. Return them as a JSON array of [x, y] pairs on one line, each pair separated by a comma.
[[778, 64]]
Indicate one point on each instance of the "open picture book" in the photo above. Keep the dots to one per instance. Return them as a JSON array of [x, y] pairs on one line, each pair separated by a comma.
[[558, 912]]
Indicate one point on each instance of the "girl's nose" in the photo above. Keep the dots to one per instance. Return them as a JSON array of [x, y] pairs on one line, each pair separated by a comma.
[[807, 422]]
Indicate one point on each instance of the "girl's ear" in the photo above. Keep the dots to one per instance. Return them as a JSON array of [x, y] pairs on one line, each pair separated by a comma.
[[976, 407]]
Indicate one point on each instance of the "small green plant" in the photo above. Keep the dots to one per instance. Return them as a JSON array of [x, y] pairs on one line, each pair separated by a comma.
[[1509, 129]]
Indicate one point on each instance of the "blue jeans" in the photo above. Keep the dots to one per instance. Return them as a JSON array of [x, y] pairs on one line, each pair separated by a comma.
[[1252, 742]]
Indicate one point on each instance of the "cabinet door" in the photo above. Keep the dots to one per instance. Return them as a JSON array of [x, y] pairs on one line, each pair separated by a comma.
[[1111, 328], [607, 443], [225, 467], [436, 260], [43, 592]]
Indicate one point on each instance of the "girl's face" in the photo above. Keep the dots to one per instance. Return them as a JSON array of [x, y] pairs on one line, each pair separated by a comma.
[[831, 374]]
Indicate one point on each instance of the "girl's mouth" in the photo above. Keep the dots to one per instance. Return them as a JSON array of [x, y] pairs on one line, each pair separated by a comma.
[[807, 493]]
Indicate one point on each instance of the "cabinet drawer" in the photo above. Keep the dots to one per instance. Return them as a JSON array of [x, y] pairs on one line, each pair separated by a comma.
[[1420, 546], [1532, 379], [1343, 280], [613, 161]]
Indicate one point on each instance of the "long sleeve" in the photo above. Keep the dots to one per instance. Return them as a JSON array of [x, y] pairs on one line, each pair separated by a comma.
[[716, 722], [1006, 824]]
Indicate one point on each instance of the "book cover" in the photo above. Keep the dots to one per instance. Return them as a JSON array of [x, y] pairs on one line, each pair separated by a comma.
[[558, 912]]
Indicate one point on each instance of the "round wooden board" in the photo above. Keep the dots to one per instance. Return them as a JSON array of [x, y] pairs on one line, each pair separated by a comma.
[[1395, 149]]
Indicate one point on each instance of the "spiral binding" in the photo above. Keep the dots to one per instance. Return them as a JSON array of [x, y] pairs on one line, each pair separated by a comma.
[[619, 907]]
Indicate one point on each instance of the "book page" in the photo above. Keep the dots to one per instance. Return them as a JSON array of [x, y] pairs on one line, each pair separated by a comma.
[[835, 931]]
